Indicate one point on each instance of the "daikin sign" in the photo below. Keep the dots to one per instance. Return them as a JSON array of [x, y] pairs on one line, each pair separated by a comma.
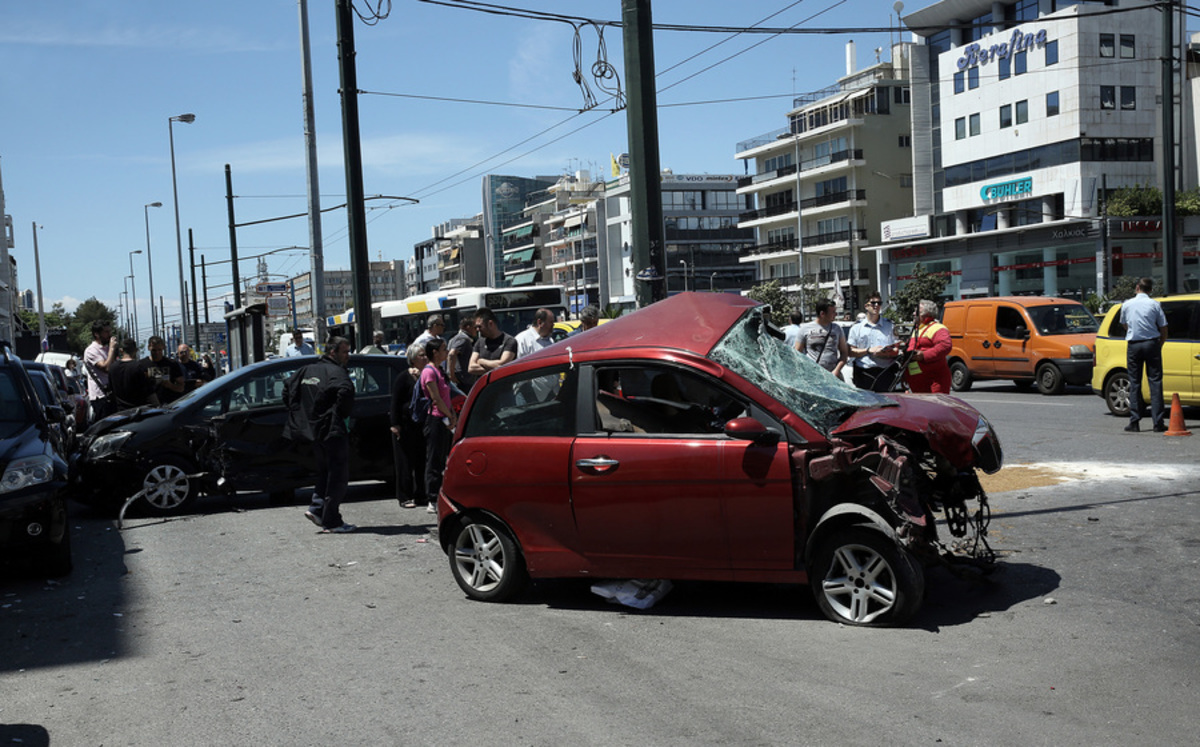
[[974, 54]]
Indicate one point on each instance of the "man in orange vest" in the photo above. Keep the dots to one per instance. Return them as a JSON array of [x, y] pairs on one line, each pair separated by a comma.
[[930, 345]]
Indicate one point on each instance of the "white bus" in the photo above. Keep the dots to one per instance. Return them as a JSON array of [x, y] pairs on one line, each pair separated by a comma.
[[402, 321]]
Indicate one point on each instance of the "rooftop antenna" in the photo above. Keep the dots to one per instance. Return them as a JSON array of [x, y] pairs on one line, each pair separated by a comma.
[[898, 7]]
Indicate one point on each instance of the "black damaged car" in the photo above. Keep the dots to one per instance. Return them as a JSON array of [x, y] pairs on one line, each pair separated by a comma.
[[227, 436], [33, 474]]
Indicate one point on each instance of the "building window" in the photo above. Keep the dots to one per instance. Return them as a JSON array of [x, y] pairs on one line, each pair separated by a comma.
[[1051, 49], [1128, 97], [960, 81], [903, 95], [1006, 116], [1127, 44], [1052, 104], [1005, 68], [906, 181], [1020, 63], [973, 77], [1108, 97], [1022, 112], [906, 141], [960, 128], [974, 125], [1107, 45]]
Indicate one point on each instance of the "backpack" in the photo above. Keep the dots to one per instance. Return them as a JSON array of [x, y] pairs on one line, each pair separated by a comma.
[[418, 404]]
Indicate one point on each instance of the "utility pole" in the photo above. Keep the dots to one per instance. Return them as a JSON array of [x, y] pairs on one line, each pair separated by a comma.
[[316, 277], [356, 216], [1171, 282], [195, 300], [641, 122]]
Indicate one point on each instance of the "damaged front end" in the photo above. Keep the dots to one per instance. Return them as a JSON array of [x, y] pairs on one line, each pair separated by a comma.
[[901, 487]]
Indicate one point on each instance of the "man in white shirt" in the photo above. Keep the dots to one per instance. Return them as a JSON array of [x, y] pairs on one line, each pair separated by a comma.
[[298, 346], [537, 336], [434, 327]]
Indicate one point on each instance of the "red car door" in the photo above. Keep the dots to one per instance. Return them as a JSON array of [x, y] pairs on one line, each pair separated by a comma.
[[658, 490]]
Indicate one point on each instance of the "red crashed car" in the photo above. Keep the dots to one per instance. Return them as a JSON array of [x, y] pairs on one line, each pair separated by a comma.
[[687, 441]]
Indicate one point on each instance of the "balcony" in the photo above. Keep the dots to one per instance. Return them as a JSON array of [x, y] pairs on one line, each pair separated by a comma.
[[767, 212], [833, 198], [773, 249], [809, 165], [834, 237]]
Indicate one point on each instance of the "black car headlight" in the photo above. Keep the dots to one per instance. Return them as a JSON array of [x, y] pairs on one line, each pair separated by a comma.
[[107, 444], [25, 472]]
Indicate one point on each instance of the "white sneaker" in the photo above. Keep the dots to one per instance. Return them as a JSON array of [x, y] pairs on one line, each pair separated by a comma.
[[431, 508]]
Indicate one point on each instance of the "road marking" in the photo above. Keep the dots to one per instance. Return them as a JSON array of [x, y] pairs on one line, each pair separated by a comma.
[[1011, 402]]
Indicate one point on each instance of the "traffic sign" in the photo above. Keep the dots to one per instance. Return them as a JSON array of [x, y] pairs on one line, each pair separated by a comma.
[[271, 288], [277, 305]]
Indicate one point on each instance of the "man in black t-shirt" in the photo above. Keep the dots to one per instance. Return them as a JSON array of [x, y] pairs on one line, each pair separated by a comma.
[[129, 384], [164, 373], [494, 348]]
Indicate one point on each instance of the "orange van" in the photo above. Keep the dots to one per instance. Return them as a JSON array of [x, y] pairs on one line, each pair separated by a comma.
[[1050, 341]]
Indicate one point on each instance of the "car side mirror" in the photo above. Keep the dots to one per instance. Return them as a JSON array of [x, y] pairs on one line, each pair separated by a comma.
[[55, 414], [1022, 332], [749, 429]]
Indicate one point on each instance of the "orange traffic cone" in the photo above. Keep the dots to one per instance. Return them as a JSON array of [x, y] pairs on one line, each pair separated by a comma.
[[1177, 427]]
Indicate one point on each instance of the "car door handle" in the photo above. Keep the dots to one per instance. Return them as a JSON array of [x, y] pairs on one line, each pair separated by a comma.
[[597, 465]]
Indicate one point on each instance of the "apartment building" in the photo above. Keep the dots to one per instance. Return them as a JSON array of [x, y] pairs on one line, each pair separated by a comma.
[[822, 185], [1025, 115]]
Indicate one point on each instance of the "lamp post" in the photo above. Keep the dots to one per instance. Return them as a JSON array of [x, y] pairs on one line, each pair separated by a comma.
[[150, 266], [133, 285], [37, 266], [685, 269], [186, 119]]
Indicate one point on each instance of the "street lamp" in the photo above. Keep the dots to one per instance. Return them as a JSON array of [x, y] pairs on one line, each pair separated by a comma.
[[186, 119], [684, 263], [150, 266], [712, 282], [37, 266], [133, 285]]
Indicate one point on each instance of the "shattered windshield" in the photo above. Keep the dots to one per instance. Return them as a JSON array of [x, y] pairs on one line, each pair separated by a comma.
[[762, 358]]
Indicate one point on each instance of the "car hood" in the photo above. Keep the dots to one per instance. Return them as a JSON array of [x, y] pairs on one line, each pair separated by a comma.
[[947, 423], [25, 442], [124, 418]]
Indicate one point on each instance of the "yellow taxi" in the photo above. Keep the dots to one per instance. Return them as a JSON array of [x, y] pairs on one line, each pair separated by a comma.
[[565, 328], [1181, 356]]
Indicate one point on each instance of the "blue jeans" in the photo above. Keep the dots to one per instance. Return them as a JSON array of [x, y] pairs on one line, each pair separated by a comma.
[[333, 473], [1149, 353]]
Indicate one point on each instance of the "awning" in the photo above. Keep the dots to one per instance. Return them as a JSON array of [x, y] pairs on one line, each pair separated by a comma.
[[522, 256], [519, 233], [523, 278], [454, 253]]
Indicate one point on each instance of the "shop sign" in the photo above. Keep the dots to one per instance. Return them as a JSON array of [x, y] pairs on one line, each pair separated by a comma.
[[1007, 190], [1047, 263], [974, 54], [904, 229], [1070, 233], [908, 252], [1138, 226]]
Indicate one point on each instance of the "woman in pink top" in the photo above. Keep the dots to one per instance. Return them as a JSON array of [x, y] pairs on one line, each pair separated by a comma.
[[439, 423]]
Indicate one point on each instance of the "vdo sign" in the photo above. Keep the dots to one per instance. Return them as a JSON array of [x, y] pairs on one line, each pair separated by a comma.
[[974, 54]]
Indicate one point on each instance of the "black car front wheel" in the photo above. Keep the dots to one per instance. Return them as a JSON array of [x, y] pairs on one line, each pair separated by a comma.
[[862, 578], [486, 562], [168, 488]]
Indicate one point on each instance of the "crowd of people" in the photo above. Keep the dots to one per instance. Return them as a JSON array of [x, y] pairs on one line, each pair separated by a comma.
[[878, 359], [422, 416], [119, 380]]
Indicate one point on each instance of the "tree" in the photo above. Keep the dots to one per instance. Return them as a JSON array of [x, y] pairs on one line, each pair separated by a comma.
[[1147, 200], [923, 285], [772, 294], [57, 317], [79, 330]]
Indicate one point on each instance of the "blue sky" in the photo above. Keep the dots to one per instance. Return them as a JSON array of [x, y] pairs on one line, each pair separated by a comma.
[[87, 88]]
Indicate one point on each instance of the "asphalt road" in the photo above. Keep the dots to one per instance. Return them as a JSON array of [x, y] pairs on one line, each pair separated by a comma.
[[241, 625]]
